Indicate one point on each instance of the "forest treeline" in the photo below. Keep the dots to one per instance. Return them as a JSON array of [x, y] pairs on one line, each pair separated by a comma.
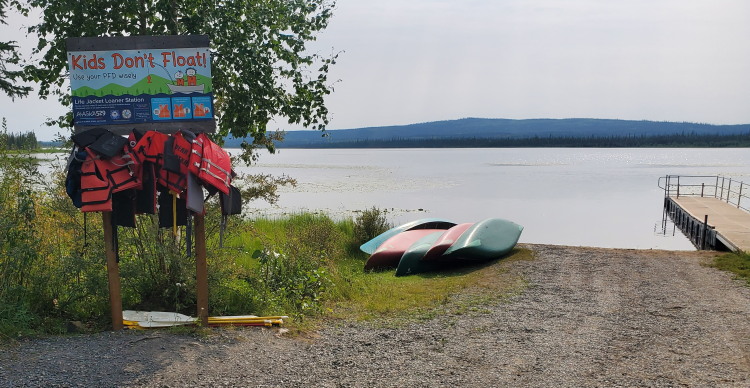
[[18, 141], [674, 140]]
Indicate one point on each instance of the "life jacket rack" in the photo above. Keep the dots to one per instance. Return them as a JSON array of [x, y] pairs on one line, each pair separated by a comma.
[[181, 166]]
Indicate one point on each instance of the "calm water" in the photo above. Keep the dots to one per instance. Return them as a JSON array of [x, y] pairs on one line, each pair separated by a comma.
[[581, 197]]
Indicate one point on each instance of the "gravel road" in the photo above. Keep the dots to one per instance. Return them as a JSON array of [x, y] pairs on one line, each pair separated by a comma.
[[588, 317]]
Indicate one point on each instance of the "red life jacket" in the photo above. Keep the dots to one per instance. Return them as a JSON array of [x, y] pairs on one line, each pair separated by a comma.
[[196, 154], [216, 166], [176, 160], [174, 163], [151, 147]]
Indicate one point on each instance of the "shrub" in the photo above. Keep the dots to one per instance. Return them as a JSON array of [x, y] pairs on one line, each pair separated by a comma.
[[368, 224]]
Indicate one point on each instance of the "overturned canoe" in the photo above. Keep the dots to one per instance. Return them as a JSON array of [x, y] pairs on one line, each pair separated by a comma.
[[426, 223], [412, 260], [485, 240], [389, 252], [445, 241]]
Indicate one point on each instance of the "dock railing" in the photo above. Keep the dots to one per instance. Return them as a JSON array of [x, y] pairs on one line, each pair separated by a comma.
[[726, 189]]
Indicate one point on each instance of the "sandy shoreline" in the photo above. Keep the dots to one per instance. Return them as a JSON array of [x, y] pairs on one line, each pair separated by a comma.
[[587, 317]]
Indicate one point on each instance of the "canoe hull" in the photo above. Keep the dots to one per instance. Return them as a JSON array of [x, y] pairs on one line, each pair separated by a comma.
[[426, 223], [412, 260], [445, 241], [486, 240], [389, 252]]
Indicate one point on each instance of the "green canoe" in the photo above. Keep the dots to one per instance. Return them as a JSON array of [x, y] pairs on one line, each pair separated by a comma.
[[411, 261], [486, 240]]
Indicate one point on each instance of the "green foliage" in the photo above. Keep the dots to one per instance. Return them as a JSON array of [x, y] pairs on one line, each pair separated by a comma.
[[260, 65], [291, 282], [736, 263], [287, 267], [20, 261], [157, 274], [369, 224], [263, 186], [9, 56]]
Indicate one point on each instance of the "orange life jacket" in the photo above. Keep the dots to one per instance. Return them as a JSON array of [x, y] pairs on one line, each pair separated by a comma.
[[100, 178], [96, 195], [117, 170]]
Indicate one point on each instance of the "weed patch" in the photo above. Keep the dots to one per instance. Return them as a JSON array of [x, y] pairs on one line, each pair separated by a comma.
[[736, 263]]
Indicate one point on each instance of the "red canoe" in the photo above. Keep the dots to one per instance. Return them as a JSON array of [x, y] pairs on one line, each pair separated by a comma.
[[389, 253], [445, 241]]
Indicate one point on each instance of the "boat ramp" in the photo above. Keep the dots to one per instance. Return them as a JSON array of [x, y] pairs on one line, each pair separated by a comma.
[[709, 210]]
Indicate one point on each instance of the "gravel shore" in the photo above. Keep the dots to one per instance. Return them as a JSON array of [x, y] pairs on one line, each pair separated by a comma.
[[587, 317]]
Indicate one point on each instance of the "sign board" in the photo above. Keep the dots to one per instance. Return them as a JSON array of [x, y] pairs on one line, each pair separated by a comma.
[[158, 83]]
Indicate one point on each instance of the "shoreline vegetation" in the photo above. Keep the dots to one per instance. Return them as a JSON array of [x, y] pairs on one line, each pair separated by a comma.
[[307, 266], [691, 140]]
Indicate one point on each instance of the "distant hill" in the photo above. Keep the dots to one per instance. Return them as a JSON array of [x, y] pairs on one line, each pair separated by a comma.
[[496, 129]]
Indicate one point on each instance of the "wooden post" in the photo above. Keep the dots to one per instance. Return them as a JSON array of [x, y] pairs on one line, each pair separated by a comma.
[[201, 270], [113, 273]]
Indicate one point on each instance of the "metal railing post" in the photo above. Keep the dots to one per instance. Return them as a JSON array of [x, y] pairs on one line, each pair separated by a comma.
[[729, 189], [739, 196], [703, 186], [716, 186], [722, 189], [678, 186]]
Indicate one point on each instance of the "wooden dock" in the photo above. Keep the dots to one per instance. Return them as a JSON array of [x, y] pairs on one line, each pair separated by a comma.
[[728, 225]]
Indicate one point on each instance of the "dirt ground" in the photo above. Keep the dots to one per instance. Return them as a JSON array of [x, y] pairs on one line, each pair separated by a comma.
[[586, 317]]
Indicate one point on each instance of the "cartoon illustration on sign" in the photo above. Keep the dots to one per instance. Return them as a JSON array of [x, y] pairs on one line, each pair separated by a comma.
[[192, 83], [191, 78]]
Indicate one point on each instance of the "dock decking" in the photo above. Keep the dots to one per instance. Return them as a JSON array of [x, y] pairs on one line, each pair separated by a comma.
[[730, 224], [712, 210]]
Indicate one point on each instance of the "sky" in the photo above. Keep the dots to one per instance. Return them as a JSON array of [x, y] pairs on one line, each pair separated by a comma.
[[404, 62]]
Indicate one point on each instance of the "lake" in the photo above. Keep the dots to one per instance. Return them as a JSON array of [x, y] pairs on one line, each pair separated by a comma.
[[570, 196]]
